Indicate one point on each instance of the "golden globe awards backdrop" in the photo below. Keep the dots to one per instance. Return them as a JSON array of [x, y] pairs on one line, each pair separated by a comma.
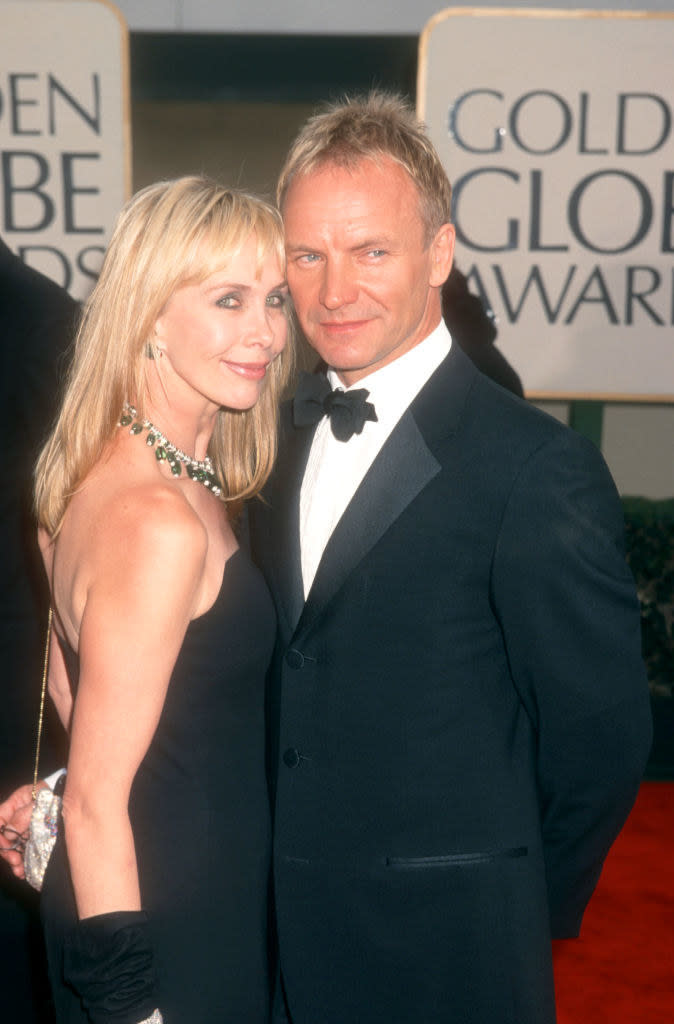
[[556, 130], [64, 134]]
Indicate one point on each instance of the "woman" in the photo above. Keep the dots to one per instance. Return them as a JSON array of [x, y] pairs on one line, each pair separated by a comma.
[[154, 901]]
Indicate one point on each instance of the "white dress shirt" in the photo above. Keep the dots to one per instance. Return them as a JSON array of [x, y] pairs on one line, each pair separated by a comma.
[[335, 468]]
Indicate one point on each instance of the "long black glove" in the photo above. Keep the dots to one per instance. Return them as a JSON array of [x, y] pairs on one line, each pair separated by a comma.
[[108, 960]]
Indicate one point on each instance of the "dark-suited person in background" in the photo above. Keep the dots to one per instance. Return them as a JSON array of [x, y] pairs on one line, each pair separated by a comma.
[[37, 324], [458, 704], [474, 328]]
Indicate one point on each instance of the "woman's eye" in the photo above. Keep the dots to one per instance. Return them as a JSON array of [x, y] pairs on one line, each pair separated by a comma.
[[277, 300], [231, 301]]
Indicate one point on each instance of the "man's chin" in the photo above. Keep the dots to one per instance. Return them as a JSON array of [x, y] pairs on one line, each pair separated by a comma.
[[336, 350]]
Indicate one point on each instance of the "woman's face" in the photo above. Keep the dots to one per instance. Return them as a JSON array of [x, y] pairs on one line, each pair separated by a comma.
[[218, 337]]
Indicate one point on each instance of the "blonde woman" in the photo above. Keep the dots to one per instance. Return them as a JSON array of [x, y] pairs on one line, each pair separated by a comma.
[[154, 901]]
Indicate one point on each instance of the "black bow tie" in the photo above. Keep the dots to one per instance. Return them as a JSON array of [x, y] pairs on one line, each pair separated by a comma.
[[348, 410]]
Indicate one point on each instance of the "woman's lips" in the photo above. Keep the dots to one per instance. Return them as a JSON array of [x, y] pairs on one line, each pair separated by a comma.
[[252, 371]]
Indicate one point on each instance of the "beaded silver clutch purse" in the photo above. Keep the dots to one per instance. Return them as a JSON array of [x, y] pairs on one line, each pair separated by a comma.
[[44, 818], [42, 832]]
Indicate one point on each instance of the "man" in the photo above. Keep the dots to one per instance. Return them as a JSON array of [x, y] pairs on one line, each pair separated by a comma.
[[458, 703]]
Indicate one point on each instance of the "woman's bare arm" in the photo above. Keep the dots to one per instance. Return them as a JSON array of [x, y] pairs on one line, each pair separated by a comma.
[[143, 592]]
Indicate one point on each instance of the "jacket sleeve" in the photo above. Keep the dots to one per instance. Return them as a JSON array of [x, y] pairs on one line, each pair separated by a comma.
[[567, 604]]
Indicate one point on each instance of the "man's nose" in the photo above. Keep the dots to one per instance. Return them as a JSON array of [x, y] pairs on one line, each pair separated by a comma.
[[338, 286]]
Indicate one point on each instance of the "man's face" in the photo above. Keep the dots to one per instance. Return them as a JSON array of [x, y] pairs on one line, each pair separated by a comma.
[[365, 285]]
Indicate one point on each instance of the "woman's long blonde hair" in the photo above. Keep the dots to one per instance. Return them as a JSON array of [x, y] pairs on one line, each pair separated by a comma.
[[170, 234]]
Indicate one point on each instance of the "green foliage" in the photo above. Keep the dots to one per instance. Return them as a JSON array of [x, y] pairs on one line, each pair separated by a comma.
[[649, 534]]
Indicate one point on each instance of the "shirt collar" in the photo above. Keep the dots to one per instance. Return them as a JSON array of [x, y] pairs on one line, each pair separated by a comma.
[[393, 387]]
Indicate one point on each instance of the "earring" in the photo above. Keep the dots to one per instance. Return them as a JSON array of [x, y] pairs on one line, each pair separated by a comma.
[[153, 351]]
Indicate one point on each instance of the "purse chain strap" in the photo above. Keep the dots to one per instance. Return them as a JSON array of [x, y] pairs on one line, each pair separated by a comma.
[[45, 672]]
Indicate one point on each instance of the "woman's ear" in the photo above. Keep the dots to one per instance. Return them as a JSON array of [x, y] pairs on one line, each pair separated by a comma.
[[156, 345]]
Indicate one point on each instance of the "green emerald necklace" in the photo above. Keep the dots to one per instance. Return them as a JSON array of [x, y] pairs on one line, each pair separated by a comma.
[[201, 471]]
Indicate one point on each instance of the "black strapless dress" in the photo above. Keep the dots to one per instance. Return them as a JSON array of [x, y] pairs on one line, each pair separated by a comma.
[[200, 816]]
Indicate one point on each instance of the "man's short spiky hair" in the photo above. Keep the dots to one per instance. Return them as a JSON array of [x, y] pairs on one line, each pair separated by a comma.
[[373, 127]]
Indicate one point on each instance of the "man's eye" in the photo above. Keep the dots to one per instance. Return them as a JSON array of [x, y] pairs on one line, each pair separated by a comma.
[[307, 257], [377, 253]]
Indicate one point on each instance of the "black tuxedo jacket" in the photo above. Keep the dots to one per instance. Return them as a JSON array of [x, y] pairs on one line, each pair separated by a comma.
[[460, 713]]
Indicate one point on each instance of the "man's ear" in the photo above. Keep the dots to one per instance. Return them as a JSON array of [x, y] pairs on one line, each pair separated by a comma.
[[442, 255]]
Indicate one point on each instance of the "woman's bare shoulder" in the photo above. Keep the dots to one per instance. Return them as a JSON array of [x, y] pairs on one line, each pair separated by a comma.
[[128, 538], [147, 517]]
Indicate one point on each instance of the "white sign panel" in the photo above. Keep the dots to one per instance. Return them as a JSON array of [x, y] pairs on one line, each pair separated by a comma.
[[557, 132], [64, 134]]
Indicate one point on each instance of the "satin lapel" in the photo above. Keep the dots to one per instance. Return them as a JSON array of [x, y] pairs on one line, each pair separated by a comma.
[[401, 470], [404, 466], [285, 512]]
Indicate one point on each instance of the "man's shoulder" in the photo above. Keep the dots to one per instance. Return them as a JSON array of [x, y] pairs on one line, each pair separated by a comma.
[[495, 405], [458, 392], [33, 295], [497, 426]]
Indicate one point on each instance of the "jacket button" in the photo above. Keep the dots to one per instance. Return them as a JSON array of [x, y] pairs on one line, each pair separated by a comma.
[[294, 658], [291, 757]]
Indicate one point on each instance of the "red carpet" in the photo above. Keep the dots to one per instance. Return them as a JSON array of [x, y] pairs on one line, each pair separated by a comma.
[[621, 969]]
